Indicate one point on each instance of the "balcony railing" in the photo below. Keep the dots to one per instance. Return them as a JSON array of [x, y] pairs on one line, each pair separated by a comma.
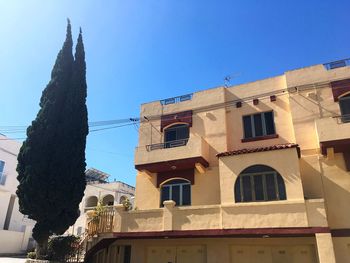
[[337, 64], [342, 118], [169, 144], [177, 99], [195, 146]]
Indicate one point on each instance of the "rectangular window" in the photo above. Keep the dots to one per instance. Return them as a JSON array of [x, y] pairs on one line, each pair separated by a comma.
[[257, 125], [2, 175], [259, 189], [247, 189], [344, 104]]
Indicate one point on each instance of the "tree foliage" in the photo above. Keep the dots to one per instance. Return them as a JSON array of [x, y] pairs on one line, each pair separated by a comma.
[[51, 161]]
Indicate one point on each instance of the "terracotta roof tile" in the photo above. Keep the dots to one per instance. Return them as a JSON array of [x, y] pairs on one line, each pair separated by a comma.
[[258, 149]]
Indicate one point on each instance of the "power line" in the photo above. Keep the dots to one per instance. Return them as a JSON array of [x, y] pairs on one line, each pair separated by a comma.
[[132, 121]]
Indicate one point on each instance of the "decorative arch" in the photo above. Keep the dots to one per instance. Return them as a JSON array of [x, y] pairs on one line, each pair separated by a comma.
[[122, 199], [91, 201], [108, 200], [259, 183], [176, 189]]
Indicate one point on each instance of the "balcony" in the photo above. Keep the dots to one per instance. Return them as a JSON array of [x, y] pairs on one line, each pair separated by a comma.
[[264, 215], [333, 128], [180, 154], [333, 135]]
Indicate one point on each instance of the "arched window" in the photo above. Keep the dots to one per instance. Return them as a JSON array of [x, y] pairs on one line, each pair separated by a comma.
[[176, 135], [259, 183], [108, 200], [178, 190], [91, 201], [344, 104], [122, 199]]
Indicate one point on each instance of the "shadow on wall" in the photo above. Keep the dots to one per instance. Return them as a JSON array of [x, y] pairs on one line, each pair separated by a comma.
[[235, 130]]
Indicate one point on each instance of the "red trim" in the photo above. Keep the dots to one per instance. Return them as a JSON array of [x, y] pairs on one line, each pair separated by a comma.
[[260, 138], [246, 232], [338, 145], [180, 164], [344, 232], [185, 116], [261, 149], [340, 87]]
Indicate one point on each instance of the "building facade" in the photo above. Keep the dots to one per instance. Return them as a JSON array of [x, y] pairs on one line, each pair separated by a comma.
[[15, 228], [98, 189], [257, 172]]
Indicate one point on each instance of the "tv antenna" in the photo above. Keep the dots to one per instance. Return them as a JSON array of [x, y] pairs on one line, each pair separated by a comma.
[[228, 78]]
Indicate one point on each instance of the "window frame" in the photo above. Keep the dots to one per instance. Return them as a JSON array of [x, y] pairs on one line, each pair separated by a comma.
[[170, 186], [344, 117], [252, 185], [2, 173], [177, 142], [253, 127], [245, 195]]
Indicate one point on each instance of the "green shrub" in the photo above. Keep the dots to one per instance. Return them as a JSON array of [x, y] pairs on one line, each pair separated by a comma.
[[31, 255], [61, 247]]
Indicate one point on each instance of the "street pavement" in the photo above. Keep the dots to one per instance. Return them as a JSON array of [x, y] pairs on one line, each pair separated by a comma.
[[12, 260]]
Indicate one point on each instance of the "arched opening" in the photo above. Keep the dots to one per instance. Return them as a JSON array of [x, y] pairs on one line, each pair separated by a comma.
[[108, 200], [122, 199], [178, 190], [176, 135], [344, 104], [259, 183], [91, 201]]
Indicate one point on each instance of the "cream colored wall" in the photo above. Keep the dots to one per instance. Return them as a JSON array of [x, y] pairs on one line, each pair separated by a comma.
[[147, 195], [312, 108], [341, 249], [280, 107], [11, 241], [284, 161]]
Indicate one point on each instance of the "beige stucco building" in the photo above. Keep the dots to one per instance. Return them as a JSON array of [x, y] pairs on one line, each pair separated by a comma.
[[258, 172], [15, 228]]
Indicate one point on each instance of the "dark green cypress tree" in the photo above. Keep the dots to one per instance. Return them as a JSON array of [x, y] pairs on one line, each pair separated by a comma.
[[51, 161]]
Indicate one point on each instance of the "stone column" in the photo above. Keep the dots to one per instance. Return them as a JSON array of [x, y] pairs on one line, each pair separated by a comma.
[[325, 248], [26, 235], [168, 215], [118, 218]]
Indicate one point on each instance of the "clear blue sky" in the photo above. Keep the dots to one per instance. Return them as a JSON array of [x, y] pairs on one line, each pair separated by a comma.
[[139, 51]]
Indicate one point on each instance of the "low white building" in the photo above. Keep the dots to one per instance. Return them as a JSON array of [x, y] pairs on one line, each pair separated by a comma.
[[15, 228], [99, 189]]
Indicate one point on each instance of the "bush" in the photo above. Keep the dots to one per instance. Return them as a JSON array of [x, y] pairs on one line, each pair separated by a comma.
[[61, 247], [31, 255]]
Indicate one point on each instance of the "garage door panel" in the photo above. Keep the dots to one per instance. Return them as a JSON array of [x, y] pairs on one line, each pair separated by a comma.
[[273, 254], [190, 254], [161, 254]]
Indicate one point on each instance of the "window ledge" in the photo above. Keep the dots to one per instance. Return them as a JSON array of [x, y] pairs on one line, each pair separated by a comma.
[[259, 138]]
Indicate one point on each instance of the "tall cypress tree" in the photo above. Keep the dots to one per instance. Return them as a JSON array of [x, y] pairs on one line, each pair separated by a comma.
[[51, 161]]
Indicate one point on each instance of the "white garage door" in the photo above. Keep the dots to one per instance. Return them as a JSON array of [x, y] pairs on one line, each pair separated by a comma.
[[179, 254], [273, 254]]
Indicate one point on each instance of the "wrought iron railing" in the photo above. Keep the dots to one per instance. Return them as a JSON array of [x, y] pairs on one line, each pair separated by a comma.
[[101, 223], [342, 118], [164, 145], [176, 99], [337, 64]]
